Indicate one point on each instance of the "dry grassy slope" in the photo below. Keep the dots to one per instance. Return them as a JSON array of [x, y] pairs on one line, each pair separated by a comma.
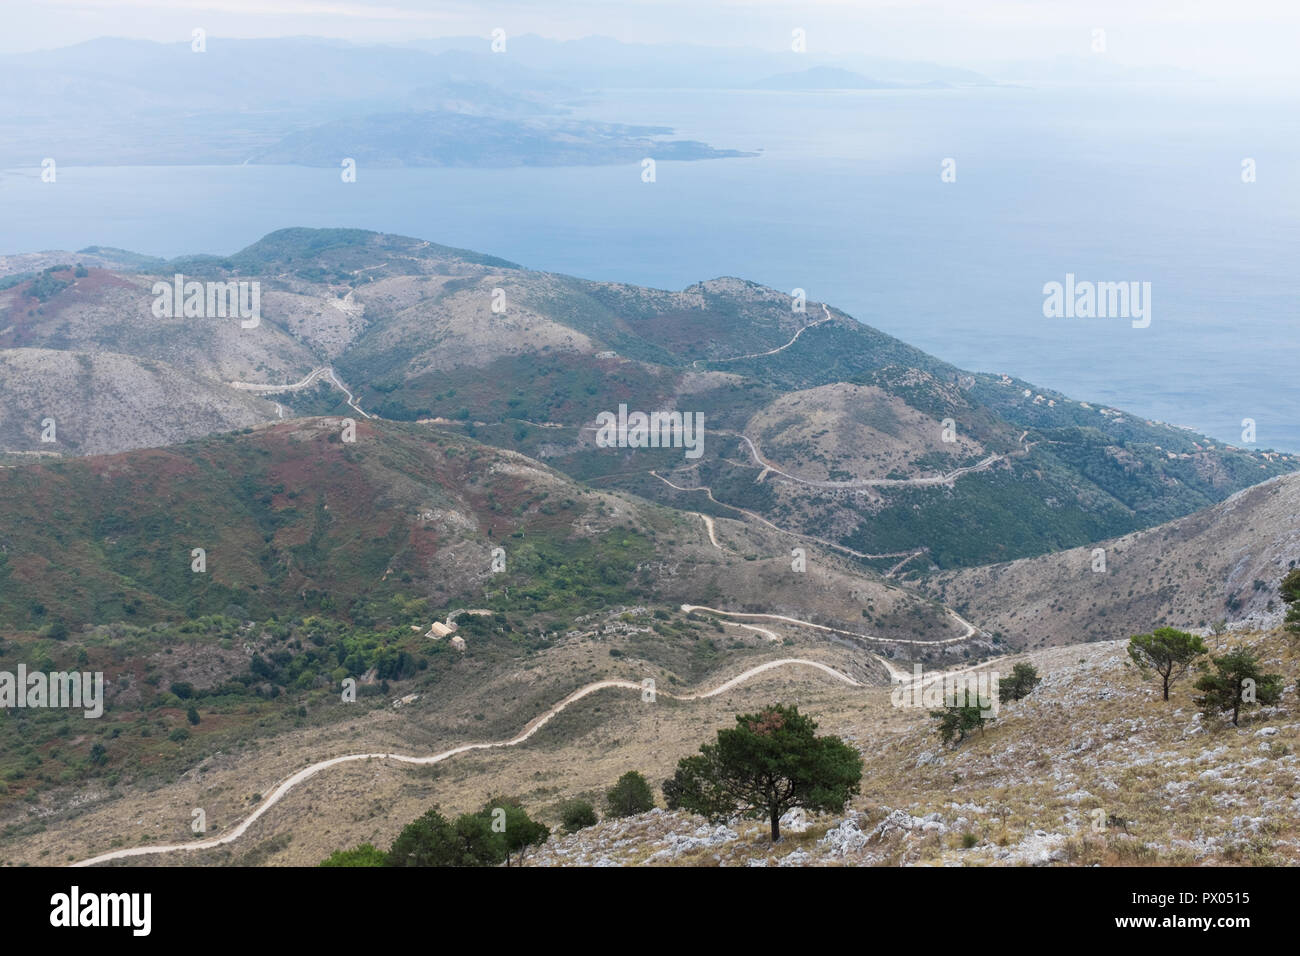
[[1092, 737], [1186, 573], [831, 591], [441, 322], [701, 320], [587, 745], [750, 570], [850, 432], [433, 308], [327, 322], [438, 315], [110, 311], [105, 402], [36, 261]]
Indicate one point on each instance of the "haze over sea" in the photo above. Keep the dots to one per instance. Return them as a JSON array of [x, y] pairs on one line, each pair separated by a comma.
[[846, 202]]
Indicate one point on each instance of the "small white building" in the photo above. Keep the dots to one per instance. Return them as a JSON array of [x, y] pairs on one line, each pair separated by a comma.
[[458, 642]]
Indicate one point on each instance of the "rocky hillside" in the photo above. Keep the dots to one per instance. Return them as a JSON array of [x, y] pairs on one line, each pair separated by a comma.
[[129, 395], [1092, 767], [1222, 564]]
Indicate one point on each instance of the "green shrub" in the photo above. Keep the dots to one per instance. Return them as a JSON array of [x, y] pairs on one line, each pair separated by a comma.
[[631, 795], [576, 815], [364, 855]]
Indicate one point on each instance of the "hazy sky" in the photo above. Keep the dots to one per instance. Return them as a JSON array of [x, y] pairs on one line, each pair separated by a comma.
[[1227, 38]]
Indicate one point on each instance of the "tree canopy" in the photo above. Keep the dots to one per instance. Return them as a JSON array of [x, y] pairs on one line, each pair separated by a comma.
[[1167, 651], [511, 826], [958, 720], [487, 838], [1237, 682], [631, 795], [1024, 678], [769, 763]]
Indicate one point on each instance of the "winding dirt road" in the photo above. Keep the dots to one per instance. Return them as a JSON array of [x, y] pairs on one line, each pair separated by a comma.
[[781, 348], [768, 468], [770, 635], [945, 479], [907, 555], [971, 629], [324, 371], [533, 726], [708, 523]]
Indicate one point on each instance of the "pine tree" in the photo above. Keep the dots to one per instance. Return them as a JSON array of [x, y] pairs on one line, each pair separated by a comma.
[[770, 762], [1167, 651], [1235, 683]]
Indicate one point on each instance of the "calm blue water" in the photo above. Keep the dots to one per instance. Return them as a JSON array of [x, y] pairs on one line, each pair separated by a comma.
[[846, 202]]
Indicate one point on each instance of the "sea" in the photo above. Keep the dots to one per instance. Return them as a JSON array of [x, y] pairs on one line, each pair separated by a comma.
[[938, 216]]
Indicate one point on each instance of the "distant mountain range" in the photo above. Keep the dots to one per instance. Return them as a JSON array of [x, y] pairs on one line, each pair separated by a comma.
[[313, 102], [603, 63], [447, 138], [823, 78]]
